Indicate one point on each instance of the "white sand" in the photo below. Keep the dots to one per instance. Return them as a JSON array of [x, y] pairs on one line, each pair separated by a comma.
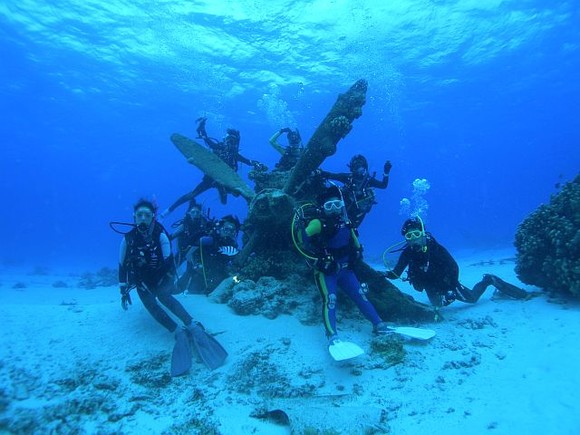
[[71, 359]]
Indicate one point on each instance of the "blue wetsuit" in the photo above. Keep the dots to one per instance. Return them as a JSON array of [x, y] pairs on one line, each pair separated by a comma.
[[340, 246]]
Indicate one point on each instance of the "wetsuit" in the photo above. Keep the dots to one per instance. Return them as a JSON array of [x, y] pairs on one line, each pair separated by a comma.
[[436, 271], [145, 262], [339, 248], [207, 267]]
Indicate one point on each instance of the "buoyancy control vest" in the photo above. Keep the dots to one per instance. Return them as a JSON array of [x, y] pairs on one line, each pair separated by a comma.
[[144, 260]]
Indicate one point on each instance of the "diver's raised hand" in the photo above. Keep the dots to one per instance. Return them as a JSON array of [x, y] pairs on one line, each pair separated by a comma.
[[387, 167]]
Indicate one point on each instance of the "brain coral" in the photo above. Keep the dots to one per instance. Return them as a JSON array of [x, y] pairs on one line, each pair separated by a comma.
[[548, 243]]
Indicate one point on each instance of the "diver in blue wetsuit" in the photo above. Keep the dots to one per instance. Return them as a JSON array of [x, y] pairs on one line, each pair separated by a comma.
[[335, 241]]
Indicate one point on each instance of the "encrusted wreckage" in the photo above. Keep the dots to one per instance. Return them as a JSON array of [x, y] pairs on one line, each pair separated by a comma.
[[268, 248]]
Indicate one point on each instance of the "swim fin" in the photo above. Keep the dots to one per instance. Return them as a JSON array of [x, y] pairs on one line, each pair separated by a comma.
[[343, 350], [210, 351], [507, 288], [181, 357]]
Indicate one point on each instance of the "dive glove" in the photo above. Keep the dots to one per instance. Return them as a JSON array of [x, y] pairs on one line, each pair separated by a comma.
[[125, 296]]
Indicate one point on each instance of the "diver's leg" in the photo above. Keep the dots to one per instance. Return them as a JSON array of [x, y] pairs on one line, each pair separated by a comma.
[[327, 286], [165, 296], [150, 303], [205, 184], [223, 193], [464, 294], [348, 281]]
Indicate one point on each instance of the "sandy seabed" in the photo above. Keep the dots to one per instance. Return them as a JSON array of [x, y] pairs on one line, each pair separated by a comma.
[[72, 361]]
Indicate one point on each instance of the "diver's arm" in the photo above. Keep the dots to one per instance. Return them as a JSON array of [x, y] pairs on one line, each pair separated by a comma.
[[165, 246], [402, 264], [181, 200], [245, 160], [180, 229], [380, 184], [275, 144], [123, 273], [313, 228]]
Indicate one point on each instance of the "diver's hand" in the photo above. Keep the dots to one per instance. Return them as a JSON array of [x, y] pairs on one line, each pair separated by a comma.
[[125, 296], [230, 251], [285, 130], [387, 167]]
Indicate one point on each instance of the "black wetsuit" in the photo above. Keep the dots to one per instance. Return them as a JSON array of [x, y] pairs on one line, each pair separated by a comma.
[[188, 234], [146, 263], [436, 271], [359, 196], [207, 267]]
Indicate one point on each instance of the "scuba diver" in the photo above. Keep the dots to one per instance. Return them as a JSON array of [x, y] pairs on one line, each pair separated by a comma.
[[432, 268], [358, 186], [146, 264], [190, 229], [333, 240], [290, 153], [228, 151], [210, 262]]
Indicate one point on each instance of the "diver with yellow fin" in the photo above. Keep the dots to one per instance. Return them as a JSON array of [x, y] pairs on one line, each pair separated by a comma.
[[334, 245]]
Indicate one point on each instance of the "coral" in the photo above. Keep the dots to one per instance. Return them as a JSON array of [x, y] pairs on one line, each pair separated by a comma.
[[340, 126], [390, 348], [548, 243], [268, 296]]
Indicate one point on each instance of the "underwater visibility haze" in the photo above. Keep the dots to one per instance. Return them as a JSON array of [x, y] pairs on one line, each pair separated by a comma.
[[479, 98]]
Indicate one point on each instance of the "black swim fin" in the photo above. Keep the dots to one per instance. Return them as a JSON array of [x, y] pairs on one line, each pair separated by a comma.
[[182, 353], [210, 351], [508, 289]]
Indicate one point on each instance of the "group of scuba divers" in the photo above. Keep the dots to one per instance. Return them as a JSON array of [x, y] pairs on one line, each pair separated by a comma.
[[206, 248]]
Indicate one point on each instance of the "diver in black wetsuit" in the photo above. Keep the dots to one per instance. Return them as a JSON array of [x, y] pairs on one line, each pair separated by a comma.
[[190, 229], [228, 151], [358, 187], [291, 153], [146, 264], [432, 268], [211, 260]]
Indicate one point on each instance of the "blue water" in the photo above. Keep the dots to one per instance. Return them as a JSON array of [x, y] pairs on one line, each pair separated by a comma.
[[481, 98]]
